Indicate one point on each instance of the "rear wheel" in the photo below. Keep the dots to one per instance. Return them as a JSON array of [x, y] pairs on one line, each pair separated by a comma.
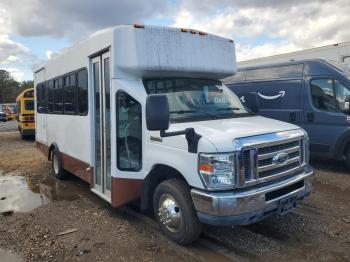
[[58, 170], [347, 159], [175, 213], [22, 135]]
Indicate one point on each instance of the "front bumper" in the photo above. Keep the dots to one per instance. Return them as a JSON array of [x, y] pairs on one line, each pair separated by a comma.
[[248, 206]]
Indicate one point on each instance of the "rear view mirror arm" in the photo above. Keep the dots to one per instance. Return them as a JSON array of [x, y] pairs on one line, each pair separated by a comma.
[[191, 136]]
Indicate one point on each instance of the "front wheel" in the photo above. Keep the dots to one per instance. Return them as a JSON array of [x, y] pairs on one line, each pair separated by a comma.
[[175, 213]]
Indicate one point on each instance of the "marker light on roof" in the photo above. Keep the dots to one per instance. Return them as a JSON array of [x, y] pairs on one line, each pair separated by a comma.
[[202, 33], [139, 26], [184, 30], [193, 32]]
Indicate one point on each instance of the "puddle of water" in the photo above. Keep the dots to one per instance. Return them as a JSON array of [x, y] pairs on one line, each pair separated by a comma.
[[8, 256], [22, 194], [18, 196]]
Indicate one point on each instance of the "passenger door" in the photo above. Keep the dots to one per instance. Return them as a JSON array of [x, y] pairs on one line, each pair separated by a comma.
[[128, 132], [323, 119], [102, 125]]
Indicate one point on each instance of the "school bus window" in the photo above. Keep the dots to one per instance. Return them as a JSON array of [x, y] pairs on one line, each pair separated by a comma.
[[82, 91], [29, 105]]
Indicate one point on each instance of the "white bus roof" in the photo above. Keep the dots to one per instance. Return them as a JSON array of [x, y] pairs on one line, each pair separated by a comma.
[[151, 51]]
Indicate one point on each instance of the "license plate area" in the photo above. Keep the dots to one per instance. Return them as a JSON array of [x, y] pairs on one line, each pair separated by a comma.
[[287, 204]]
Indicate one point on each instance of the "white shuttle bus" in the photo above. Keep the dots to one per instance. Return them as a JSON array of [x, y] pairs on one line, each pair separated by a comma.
[[140, 114]]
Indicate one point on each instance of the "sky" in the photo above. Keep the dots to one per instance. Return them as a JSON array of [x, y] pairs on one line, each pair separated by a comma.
[[32, 31]]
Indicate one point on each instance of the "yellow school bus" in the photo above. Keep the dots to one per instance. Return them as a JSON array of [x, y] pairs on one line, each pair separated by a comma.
[[25, 113]]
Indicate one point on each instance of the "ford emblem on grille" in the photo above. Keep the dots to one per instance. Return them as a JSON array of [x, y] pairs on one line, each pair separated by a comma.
[[280, 158]]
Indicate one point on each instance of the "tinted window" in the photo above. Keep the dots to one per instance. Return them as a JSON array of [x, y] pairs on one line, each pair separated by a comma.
[[58, 96], [322, 95], [82, 91], [290, 71], [40, 98], [342, 94], [29, 104], [50, 96], [129, 132], [69, 93]]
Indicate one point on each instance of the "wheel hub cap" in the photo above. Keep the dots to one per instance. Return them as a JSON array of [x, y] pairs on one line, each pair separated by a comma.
[[169, 212], [55, 164]]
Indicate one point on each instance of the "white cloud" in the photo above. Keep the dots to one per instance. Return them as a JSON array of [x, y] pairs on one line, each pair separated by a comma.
[[74, 19], [262, 28], [15, 73], [49, 54]]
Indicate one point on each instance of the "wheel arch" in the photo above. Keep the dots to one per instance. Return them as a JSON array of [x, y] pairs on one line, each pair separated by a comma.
[[51, 148], [158, 174], [342, 145]]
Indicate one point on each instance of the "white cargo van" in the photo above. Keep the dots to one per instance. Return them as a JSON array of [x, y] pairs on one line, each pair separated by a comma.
[[139, 112]]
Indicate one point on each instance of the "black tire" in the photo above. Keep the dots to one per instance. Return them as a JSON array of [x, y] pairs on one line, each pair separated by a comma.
[[189, 228], [57, 167], [347, 159], [22, 135]]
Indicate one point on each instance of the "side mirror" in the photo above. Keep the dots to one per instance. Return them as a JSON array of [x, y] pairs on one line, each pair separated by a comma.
[[346, 105], [252, 102], [157, 112]]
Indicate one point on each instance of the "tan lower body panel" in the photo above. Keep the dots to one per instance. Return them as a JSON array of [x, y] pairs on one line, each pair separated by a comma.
[[125, 190], [71, 164]]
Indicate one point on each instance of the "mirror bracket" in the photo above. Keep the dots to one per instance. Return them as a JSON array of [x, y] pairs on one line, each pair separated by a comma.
[[191, 136]]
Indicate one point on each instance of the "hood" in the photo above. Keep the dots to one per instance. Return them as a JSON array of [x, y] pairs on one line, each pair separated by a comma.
[[221, 133]]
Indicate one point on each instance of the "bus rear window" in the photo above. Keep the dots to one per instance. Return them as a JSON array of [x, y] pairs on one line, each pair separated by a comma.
[[29, 105]]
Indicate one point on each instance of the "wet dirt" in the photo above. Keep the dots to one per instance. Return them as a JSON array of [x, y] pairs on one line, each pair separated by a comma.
[[8, 256], [98, 231], [318, 230], [23, 194]]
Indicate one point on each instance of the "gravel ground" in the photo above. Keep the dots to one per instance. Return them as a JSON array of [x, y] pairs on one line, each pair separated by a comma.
[[317, 230], [8, 126]]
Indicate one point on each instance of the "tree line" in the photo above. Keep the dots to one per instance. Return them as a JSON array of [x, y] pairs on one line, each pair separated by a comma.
[[10, 88]]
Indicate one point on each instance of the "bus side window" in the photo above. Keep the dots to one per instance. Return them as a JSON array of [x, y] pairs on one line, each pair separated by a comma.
[[69, 93], [129, 132], [40, 98], [50, 91], [58, 95], [82, 91]]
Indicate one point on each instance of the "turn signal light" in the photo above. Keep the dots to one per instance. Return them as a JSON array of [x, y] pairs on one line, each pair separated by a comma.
[[206, 168]]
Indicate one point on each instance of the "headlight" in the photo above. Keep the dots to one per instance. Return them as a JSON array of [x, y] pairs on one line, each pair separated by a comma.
[[306, 147], [217, 170]]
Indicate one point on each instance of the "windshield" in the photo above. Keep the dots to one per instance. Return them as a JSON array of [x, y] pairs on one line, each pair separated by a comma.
[[197, 99], [342, 67]]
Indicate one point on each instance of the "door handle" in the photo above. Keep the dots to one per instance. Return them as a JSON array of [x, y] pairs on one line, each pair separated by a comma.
[[292, 116], [310, 116]]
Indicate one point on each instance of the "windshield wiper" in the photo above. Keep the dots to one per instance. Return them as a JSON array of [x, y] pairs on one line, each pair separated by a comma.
[[194, 111], [229, 109], [182, 111]]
